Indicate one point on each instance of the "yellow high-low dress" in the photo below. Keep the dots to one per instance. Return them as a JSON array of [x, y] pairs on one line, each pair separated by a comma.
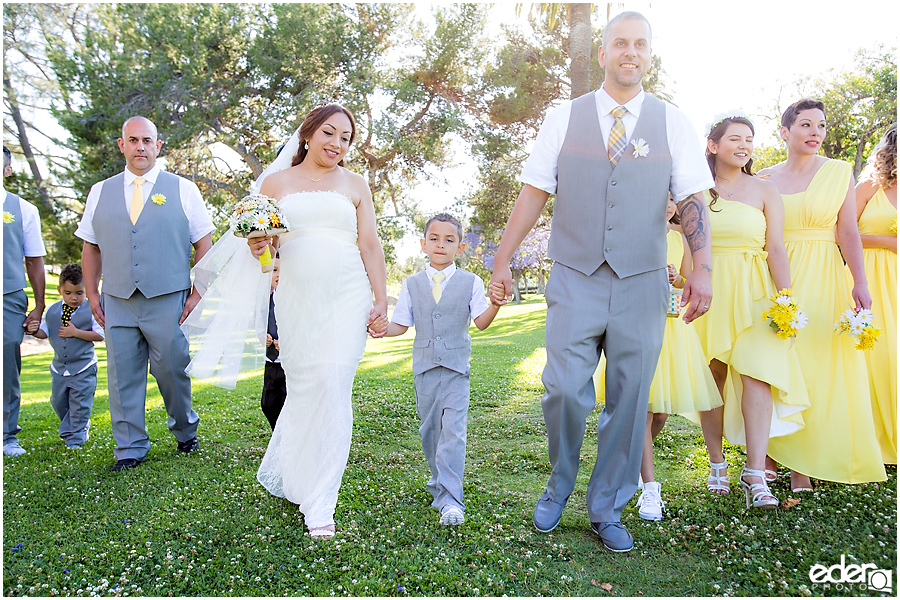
[[881, 272], [682, 382], [733, 330], [838, 442]]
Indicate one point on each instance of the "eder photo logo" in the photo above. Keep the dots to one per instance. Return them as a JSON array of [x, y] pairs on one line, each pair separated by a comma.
[[851, 576]]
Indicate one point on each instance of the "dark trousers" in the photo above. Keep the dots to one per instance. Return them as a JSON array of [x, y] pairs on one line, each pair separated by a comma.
[[274, 392]]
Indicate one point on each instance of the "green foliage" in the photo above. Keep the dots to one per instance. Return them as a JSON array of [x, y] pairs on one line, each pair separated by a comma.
[[201, 525], [860, 104]]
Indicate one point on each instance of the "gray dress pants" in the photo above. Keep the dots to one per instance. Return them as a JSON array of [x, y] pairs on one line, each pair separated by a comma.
[[623, 318]]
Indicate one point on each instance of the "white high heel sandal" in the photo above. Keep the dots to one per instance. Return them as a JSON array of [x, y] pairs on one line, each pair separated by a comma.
[[718, 483], [760, 493]]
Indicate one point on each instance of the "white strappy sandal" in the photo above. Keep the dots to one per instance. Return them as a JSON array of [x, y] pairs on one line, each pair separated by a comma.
[[718, 483], [762, 496]]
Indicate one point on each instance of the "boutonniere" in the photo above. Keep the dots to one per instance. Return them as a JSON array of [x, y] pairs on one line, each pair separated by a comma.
[[158, 199], [641, 147], [8, 217]]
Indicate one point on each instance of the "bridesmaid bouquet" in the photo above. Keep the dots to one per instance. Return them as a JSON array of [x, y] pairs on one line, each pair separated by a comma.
[[257, 215], [894, 226], [786, 317], [859, 324]]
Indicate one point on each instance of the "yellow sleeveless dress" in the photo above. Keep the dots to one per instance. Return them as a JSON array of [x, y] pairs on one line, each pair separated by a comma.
[[881, 272], [733, 331], [838, 442], [682, 382]]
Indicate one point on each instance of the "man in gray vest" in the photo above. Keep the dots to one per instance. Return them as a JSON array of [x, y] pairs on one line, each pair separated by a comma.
[[138, 228], [611, 157], [22, 244]]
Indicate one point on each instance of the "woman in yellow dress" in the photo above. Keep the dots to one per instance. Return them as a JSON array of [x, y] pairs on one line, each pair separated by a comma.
[[876, 213], [681, 384], [758, 373], [838, 442]]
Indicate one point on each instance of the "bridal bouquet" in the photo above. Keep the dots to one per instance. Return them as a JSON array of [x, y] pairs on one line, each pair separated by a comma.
[[257, 215], [786, 317], [859, 324]]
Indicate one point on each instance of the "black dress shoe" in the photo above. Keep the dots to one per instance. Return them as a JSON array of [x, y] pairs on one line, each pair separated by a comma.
[[125, 463], [188, 446]]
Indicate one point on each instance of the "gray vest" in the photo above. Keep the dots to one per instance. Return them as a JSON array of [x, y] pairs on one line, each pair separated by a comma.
[[154, 254], [605, 214], [13, 246], [70, 354], [442, 329]]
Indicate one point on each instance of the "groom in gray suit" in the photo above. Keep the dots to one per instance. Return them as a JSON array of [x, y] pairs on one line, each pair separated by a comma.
[[611, 157], [138, 229]]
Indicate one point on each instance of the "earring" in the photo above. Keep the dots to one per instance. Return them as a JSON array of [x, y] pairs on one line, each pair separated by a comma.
[[306, 145]]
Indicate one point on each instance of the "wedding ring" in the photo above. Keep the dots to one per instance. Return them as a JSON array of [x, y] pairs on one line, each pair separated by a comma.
[[705, 307]]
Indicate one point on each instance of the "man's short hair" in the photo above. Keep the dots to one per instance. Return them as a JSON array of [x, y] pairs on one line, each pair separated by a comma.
[[626, 16], [445, 218], [7, 157]]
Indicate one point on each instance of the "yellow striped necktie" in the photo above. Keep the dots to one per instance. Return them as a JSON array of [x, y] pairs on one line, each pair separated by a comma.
[[137, 200], [436, 290], [617, 135]]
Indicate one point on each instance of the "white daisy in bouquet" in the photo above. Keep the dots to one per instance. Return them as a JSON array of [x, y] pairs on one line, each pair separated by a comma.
[[860, 325], [258, 215], [785, 315]]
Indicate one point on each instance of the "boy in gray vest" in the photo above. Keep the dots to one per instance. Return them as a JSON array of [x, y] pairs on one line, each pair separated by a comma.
[[72, 331], [439, 301]]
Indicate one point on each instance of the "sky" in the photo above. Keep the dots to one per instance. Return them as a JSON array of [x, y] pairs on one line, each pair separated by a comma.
[[724, 55]]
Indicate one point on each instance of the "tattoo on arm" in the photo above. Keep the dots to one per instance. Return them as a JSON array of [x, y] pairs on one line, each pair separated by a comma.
[[706, 267], [692, 222]]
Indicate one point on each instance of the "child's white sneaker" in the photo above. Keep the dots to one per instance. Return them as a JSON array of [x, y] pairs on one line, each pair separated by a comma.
[[451, 515], [650, 504], [13, 449]]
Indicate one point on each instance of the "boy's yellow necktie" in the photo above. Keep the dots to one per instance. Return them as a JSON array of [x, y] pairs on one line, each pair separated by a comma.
[[436, 290]]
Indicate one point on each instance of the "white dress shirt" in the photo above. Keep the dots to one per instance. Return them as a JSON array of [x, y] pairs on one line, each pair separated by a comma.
[[690, 171], [32, 242], [199, 222], [403, 313]]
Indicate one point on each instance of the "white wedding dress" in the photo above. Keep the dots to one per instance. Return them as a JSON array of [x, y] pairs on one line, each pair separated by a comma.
[[322, 304]]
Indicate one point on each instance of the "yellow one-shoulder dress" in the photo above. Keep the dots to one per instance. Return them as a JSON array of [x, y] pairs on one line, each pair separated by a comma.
[[877, 218], [682, 382], [838, 442], [733, 331]]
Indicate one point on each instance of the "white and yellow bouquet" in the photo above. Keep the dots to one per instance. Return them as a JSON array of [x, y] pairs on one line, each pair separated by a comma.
[[859, 324], [785, 315], [257, 215], [894, 226]]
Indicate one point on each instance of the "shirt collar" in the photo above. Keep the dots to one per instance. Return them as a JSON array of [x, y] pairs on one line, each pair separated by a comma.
[[448, 271], [150, 175], [605, 103]]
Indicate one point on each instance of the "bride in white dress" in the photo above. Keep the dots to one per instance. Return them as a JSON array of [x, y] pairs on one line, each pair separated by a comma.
[[331, 263]]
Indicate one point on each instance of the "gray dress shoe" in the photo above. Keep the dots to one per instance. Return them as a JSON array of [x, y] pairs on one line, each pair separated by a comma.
[[614, 536], [547, 514]]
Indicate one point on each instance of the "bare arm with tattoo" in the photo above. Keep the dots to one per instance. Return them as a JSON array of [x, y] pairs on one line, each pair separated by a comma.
[[698, 286]]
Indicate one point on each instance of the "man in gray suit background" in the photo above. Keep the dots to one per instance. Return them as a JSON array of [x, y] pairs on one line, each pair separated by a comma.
[[138, 229], [22, 245], [611, 157]]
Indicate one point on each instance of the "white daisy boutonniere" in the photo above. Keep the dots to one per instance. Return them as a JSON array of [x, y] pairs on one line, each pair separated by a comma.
[[641, 147], [8, 217], [158, 199]]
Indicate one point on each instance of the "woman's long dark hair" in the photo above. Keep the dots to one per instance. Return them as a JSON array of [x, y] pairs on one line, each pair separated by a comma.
[[313, 121], [715, 135]]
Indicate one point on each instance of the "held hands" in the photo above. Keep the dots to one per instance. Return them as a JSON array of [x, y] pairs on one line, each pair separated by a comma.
[[377, 323], [501, 285], [269, 340], [97, 311], [33, 321], [673, 274]]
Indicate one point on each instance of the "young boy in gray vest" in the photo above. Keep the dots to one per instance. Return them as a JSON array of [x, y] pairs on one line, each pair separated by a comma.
[[72, 331], [439, 301]]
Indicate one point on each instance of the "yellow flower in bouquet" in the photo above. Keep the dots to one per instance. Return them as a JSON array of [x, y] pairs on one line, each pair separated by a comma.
[[894, 226], [257, 215], [786, 317], [859, 324]]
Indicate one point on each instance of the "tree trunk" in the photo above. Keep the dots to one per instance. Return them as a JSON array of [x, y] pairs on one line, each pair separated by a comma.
[[24, 143], [580, 48]]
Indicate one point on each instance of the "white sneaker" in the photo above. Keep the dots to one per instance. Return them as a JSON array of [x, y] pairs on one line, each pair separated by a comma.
[[650, 504], [451, 515], [13, 449]]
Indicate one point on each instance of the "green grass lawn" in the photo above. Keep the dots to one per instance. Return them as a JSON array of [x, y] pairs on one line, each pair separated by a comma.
[[201, 525]]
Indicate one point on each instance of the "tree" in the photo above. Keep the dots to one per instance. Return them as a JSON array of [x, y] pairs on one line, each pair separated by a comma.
[[859, 105]]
